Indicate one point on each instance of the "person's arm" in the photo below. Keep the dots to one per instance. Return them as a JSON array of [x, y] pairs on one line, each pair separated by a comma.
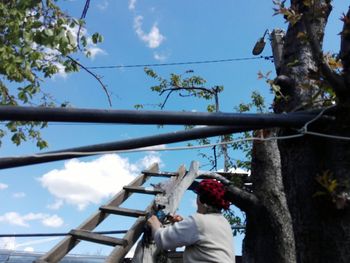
[[154, 224], [180, 234]]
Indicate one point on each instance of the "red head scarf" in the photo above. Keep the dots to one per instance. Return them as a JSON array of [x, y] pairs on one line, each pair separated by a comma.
[[212, 192]]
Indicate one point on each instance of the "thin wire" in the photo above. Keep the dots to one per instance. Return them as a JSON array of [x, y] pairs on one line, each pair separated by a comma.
[[304, 128], [67, 234], [336, 137], [159, 149], [180, 63], [60, 234]]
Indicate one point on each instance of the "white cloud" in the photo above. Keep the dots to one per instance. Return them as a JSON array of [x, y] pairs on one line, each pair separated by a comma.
[[55, 205], [103, 5], [53, 221], [19, 195], [160, 56], [153, 39], [94, 51], [83, 183], [13, 218], [148, 160], [3, 186], [10, 243], [132, 4], [61, 71]]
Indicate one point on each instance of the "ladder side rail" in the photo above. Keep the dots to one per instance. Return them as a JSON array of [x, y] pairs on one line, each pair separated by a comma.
[[170, 200], [69, 242], [137, 229], [183, 183], [131, 237]]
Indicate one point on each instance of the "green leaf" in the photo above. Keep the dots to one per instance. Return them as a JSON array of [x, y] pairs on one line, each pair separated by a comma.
[[96, 38]]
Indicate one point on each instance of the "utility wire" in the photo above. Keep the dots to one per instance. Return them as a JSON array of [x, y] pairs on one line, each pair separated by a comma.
[[60, 234], [181, 63], [193, 147], [98, 232]]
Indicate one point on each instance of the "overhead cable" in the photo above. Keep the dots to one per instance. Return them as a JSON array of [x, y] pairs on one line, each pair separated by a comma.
[[61, 234], [180, 63]]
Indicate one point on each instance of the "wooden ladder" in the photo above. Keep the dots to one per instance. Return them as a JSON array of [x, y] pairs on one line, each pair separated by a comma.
[[121, 245]]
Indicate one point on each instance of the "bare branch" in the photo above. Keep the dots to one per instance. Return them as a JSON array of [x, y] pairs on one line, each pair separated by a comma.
[[345, 47], [330, 76], [179, 88], [95, 76], [240, 198], [166, 98], [83, 15]]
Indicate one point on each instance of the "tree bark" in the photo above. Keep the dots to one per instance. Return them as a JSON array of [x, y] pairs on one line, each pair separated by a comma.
[[269, 232], [321, 223]]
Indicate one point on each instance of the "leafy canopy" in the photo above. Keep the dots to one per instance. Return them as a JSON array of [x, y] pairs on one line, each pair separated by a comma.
[[36, 39]]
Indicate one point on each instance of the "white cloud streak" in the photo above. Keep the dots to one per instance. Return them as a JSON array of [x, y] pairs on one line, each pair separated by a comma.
[[103, 5], [13, 218], [153, 39], [19, 195], [53, 221], [83, 183], [55, 205], [3, 186], [132, 4], [160, 56], [10, 243]]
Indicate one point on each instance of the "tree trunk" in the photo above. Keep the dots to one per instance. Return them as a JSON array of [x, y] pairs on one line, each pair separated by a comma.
[[269, 233], [321, 222]]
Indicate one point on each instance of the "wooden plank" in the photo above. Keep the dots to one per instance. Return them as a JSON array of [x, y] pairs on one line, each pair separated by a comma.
[[68, 243], [118, 253], [97, 238], [142, 190], [175, 189], [122, 211], [160, 174]]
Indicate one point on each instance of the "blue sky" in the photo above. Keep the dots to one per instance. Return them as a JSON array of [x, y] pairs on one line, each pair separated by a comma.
[[57, 197]]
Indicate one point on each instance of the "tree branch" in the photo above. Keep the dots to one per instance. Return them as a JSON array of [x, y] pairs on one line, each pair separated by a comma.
[[330, 76], [83, 15], [345, 47], [179, 88], [166, 98], [240, 198], [95, 76]]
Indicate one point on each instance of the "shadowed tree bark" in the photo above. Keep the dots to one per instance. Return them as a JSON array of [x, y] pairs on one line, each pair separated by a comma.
[[299, 210], [319, 211]]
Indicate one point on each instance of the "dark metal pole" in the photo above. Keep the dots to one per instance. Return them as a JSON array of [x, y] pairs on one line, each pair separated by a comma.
[[178, 136], [16, 113]]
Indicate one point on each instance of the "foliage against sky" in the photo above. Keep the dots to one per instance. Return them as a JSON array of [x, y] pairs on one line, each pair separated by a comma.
[[135, 32]]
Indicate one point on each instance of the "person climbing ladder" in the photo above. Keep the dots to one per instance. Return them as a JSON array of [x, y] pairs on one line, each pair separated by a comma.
[[206, 235]]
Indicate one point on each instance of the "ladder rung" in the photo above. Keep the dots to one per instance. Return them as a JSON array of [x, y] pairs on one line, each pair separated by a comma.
[[142, 190], [122, 211], [97, 238], [160, 174]]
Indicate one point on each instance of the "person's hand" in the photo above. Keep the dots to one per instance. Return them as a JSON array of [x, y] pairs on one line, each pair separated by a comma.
[[175, 218], [154, 223]]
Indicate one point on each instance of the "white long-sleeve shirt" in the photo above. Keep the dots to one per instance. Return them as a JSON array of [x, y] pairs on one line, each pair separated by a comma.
[[207, 237]]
